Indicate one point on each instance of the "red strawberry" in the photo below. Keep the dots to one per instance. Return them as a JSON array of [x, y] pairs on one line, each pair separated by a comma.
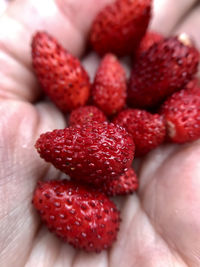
[[148, 40], [92, 152], [126, 184], [120, 26], [192, 84], [81, 216], [86, 114], [192, 88], [109, 88], [147, 130], [60, 74], [182, 116], [165, 68]]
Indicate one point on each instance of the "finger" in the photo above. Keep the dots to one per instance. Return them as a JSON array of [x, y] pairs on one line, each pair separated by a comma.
[[167, 13], [138, 243], [16, 80], [190, 25], [65, 20], [171, 199], [91, 63], [45, 250], [92, 60], [21, 167]]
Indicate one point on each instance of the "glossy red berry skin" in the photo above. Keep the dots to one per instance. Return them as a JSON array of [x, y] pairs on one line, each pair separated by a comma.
[[147, 130], [163, 69], [182, 117], [127, 183], [110, 86], [149, 39], [86, 114], [120, 26], [60, 74], [91, 153], [79, 215]]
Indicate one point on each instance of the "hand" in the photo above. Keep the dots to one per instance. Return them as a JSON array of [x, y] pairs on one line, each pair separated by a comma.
[[161, 224]]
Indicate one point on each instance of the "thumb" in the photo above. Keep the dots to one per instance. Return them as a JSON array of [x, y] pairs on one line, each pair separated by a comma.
[[68, 20]]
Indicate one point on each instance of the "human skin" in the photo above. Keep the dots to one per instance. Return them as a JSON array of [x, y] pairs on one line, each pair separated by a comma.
[[160, 224]]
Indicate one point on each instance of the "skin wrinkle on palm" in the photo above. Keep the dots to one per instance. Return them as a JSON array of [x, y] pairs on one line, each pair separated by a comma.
[[160, 224]]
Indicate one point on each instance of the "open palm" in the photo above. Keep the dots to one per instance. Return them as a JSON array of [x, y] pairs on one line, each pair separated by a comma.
[[161, 224]]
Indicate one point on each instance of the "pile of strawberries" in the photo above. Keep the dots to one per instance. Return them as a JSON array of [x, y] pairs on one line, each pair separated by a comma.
[[112, 119]]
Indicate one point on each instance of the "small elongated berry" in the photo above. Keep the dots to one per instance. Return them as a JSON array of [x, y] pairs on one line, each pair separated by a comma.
[[60, 74], [92, 152], [109, 88], [127, 183], [182, 116], [163, 69], [149, 39], [147, 130], [120, 26], [86, 114], [79, 215], [192, 84]]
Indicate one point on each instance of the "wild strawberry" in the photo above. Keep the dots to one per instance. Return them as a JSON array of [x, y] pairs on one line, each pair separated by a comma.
[[109, 88], [147, 130], [127, 183], [182, 115], [165, 68], [91, 152], [192, 84], [149, 39], [86, 114], [81, 216], [60, 74], [192, 88], [120, 26]]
